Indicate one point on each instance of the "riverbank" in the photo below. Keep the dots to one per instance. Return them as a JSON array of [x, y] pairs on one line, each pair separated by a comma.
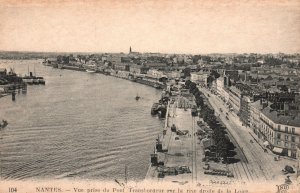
[[126, 75]]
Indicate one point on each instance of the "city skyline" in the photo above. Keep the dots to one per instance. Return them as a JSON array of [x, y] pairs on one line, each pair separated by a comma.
[[167, 27]]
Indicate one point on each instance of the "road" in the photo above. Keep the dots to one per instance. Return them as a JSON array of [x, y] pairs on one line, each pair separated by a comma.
[[256, 166]]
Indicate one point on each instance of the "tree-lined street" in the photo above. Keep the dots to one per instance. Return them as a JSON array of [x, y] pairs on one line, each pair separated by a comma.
[[257, 165]]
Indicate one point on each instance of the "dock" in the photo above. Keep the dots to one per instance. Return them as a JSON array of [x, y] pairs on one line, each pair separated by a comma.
[[178, 149], [180, 158]]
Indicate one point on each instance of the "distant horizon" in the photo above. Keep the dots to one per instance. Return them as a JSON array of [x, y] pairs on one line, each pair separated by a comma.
[[91, 52]]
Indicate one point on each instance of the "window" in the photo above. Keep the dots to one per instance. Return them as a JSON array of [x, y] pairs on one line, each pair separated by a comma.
[[293, 130], [278, 127], [278, 142], [286, 137], [286, 144], [286, 129], [278, 136], [293, 146], [293, 138]]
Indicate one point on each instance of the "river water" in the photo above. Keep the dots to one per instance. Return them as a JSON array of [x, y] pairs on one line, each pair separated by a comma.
[[79, 125]]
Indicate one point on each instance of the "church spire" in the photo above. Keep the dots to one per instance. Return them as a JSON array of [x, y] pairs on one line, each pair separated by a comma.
[[129, 49]]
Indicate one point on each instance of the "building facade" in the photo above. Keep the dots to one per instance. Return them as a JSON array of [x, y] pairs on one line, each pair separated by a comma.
[[234, 98], [282, 132], [199, 78], [255, 110], [244, 113]]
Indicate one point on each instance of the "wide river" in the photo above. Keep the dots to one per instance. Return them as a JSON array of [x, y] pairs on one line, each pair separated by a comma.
[[79, 125]]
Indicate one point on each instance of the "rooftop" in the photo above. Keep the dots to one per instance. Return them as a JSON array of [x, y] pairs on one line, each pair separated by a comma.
[[281, 119]]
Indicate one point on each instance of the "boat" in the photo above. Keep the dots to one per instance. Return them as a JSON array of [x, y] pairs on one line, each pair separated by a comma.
[[27, 80], [35, 80], [90, 71], [91, 68], [32, 78], [162, 110], [3, 124], [154, 109], [41, 80], [137, 97]]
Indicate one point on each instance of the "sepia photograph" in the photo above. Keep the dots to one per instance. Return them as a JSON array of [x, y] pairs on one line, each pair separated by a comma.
[[149, 96]]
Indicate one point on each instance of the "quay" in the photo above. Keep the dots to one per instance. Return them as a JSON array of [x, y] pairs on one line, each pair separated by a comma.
[[180, 156], [138, 78]]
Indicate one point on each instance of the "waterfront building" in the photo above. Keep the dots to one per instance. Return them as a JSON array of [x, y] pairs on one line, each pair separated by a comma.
[[155, 73], [220, 85], [244, 113], [122, 74], [174, 74], [255, 110], [281, 131], [121, 66], [138, 69], [156, 65], [234, 98], [199, 78], [3, 72]]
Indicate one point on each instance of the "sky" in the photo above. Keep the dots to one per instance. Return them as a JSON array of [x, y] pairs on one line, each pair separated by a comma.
[[167, 26]]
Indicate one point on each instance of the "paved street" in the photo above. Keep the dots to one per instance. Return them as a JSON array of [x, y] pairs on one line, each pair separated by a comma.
[[258, 166]]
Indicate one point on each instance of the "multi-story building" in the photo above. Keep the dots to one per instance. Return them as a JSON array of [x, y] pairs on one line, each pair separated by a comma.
[[155, 73], [138, 69], [235, 98], [173, 74], [220, 86], [121, 66], [199, 78], [244, 113], [255, 110], [281, 131]]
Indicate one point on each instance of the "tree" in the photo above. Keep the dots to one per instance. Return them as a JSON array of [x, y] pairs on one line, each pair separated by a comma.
[[187, 72], [215, 74]]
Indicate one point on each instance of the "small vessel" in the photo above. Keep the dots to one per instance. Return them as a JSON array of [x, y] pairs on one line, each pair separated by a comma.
[[90, 71], [32, 78], [41, 80], [3, 124], [27, 80], [137, 97], [91, 68], [154, 109]]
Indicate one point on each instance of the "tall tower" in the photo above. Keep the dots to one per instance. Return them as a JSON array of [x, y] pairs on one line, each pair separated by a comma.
[[129, 49]]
